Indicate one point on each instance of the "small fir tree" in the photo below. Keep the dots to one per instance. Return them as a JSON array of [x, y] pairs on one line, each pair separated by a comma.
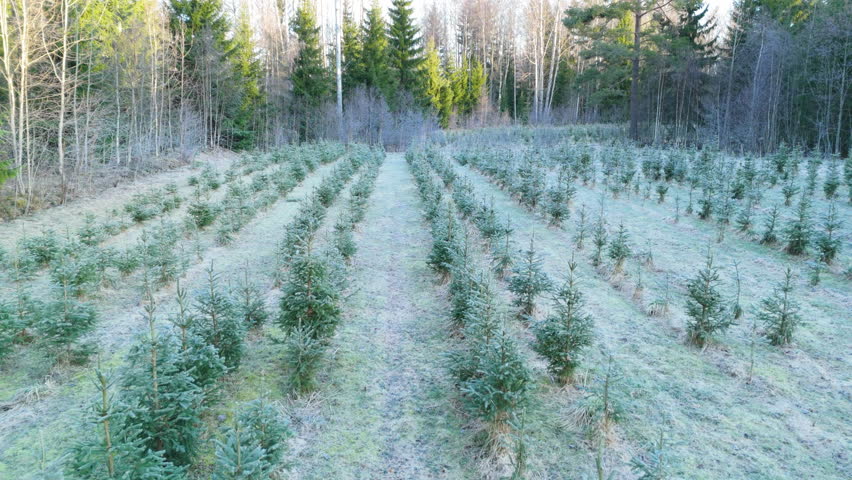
[[217, 321], [562, 337], [445, 245], [780, 312], [528, 281], [789, 191], [832, 181], [344, 240], [64, 321], [115, 448], [238, 458], [599, 239], [503, 259], [744, 218], [619, 248], [499, 390], [662, 189], [799, 232], [250, 305], [705, 306], [165, 402], [582, 226], [828, 241], [770, 236], [253, 445]]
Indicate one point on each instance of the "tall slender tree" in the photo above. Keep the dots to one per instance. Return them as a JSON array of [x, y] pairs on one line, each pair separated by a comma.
[[310, 78], [406, 50]]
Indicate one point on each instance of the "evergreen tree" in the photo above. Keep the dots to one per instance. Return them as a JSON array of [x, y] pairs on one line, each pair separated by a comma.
[[789, 191], [344, 241], [705, 307], [437, 87], [689, 41], [8, 330], [582, 227], [311, 297], [619, 248], [223, 65], [311, 80], [218, 322], [567, 331], [770, 237], [557, 205], [248, 75], [780, 313], [444, 246], [239, 459], [799, 232], [405, 50], [599, 239], [502, 258], [350, 50], [499, 389], [828, 242], [528, 282], [115, 448], [250, 305], [164, 399], [744, 218], [373, 69], [832, 181], [64, 321], [253, 445], [467, 83]]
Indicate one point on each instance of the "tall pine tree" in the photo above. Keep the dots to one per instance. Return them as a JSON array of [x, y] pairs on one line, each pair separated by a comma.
[[405, 50], [248, 73], [311, 80], [351, 50], [437, 87], [373, 68]]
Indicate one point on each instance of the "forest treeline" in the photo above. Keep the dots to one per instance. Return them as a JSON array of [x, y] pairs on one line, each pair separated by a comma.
[[119, 85]]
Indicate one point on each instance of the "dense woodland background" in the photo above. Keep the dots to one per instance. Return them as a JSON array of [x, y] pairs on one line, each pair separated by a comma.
[[97, 89]]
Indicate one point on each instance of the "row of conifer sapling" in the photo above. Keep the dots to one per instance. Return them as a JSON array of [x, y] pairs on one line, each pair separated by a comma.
[[36, 251], [313, 278], [562, 336], [723, 183], [170, 383], [150, 416], [488, 367], [78, 269], [709, 311]]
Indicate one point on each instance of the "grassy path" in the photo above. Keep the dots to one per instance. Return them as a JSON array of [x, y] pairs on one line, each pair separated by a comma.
[[383, 409]]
